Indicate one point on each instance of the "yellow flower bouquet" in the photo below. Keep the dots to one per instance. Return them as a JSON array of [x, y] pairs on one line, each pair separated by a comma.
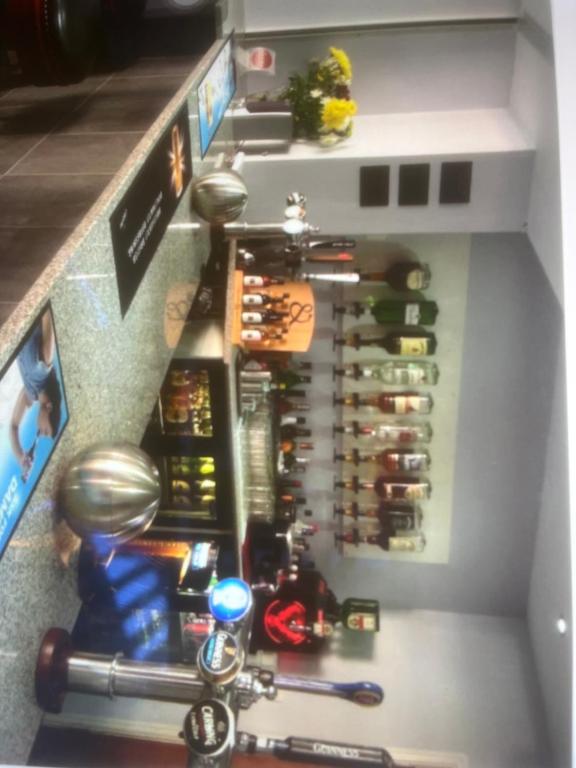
[[320, 99]]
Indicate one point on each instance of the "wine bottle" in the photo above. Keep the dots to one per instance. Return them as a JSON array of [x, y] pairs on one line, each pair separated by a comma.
[[397, 372], [257, 335], [261, 281], [285, 406], [286, 421], [386, 540], [402, 276], [262, 299], [409, 342], [388, 433], [289, 446], [399, 403], [393, 312], [392, 459], [263, 317], [290, 378], [290, 431]]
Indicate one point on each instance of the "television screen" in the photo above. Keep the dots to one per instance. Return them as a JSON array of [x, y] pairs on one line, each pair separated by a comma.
[[215, 93]]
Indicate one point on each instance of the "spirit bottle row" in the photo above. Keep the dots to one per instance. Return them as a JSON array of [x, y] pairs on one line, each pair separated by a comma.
[[408, 342], [385, 539], [398, 403], [398, 433], [391, 459], [412, 373], [389, 488], [391, 312]]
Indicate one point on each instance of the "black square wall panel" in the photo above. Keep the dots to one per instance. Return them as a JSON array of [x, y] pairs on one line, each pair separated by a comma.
[[455, 182], [413, 184], [374, 185]]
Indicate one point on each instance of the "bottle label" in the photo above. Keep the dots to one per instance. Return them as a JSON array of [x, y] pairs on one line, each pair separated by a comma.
[[254, 280], [412, 314], [252, 317], [415, 280], [404, 404], [413, 346], [251, 335], [252, 299], [412, 462], [397, 544]]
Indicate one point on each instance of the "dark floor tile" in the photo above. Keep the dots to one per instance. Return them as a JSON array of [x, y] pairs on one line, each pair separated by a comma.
[[128, 104], [34, 110], [12, 148], [86, 153], [24, 253], [39, 201]]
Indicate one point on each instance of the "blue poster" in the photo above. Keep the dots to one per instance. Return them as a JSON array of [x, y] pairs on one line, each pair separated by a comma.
[[215, 93], [33, 415]]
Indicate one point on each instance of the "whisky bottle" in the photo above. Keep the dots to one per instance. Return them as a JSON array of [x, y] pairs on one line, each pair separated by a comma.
[[388, 433], [409, 342], [398, 403], [392, 459], [389, 488], [385, 540], [400, 516], [396, 372]]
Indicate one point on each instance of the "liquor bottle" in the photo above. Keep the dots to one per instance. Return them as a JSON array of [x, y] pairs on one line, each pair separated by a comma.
[[263, 317], [287, 484], [393, 312], [397, 372], [409, 342], [389, 488], [259, 336], [261, 281], [392, 459], [289, 431], [400, 516], [290, 462], [290, 378], [399, 403], [385, 540], [388, 433], [402, 276], [262, 299], [297, 259], [286, 421], [285, 406], [289, 498], [289, 446]]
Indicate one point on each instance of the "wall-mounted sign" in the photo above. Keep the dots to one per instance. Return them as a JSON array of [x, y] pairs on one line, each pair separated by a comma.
[[33, 415], [215, 93], [141, 217]]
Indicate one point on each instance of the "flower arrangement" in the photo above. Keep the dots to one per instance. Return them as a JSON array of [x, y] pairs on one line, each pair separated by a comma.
[[320, 99]]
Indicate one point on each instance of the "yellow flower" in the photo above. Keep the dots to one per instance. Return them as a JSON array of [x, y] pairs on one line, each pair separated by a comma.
[[336, 112], [343, 62]]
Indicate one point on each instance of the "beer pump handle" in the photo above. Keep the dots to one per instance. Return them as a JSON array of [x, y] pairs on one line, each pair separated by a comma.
[[365, 693], [316, 751]]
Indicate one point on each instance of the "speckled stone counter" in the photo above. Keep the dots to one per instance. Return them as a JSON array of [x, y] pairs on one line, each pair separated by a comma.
[[112, 370]]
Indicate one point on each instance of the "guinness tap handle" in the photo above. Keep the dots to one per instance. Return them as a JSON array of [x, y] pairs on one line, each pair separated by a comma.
[[364, 693], [300, 750]]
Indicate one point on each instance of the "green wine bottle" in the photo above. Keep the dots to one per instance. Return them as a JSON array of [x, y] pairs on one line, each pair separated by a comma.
[[404, 312]]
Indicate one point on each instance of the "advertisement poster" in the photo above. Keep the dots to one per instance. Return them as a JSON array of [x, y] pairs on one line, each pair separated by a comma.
[[142, 216], [215, 93], [33, 415]]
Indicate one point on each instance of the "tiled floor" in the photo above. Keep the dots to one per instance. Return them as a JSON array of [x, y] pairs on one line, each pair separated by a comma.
[[59, 148]]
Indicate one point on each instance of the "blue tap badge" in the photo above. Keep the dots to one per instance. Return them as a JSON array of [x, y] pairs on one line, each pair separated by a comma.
[[230, 600]]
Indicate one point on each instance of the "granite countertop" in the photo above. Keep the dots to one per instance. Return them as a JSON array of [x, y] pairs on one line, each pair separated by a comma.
[[112, 370]]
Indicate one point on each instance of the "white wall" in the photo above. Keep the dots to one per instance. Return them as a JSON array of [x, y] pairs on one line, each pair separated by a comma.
[[533, 103], [508, 371], [274, 15], [453, 683], [402, 71]]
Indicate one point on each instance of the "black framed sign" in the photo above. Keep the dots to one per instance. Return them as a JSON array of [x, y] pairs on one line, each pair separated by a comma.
[[141, 217], [33, 416]]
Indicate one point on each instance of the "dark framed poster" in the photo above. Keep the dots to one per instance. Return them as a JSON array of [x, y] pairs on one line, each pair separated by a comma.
[[215, 92], [33, 416], [141, 217]]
